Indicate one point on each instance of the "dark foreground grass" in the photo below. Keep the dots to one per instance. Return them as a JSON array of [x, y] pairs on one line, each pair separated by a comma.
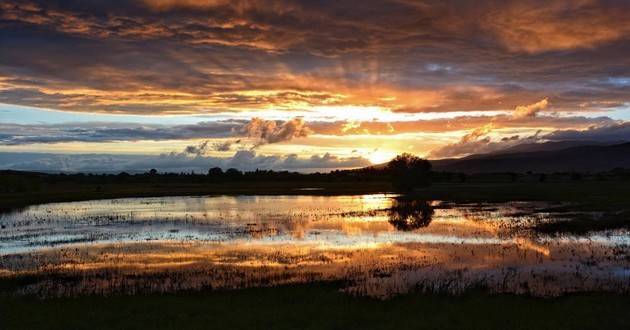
[[316, 306]]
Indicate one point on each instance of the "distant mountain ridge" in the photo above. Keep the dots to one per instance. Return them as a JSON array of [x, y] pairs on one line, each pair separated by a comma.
[[554, 146], [565, 156]]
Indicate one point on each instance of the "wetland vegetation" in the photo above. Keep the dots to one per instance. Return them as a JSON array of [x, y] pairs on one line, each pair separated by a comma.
[[316, 306], [345, 239]]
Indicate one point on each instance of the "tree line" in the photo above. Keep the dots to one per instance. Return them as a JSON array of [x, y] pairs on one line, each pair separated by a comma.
[[405, 171]]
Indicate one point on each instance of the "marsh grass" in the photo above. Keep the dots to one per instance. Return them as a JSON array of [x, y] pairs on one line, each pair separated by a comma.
[[586, 223], [316, 306]]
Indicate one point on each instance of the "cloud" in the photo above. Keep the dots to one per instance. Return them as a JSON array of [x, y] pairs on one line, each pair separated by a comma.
[[537, 26], [480, 145], [198, 150], [349, 126], [224, 146], [530, 110], [190, 57], [477, 141], [477, 133], [260, 130], [619, 131], [471, 143], [268, 131], [14, 134], [245, 160]]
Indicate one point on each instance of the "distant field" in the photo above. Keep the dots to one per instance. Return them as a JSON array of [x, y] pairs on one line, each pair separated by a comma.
[[592, 192], [65, 192], [596, 192]]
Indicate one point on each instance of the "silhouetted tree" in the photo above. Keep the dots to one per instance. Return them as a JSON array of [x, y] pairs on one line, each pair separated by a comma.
[[410, 215], [409, 171], [153, 171], [215, 172], [233, 173]]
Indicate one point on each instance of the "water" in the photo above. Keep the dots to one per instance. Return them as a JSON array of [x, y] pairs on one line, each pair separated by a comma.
[[377, 245]]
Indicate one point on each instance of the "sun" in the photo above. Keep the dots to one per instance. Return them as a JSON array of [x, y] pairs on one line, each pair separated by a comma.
[[380, 157]]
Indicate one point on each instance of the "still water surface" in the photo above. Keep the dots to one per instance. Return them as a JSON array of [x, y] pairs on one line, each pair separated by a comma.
[[377, 245]]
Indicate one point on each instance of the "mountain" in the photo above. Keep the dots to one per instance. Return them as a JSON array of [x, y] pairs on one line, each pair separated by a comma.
[[568, 156], [554, 146]]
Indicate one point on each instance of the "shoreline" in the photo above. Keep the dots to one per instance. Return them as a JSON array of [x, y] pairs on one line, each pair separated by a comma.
[[605, 193]]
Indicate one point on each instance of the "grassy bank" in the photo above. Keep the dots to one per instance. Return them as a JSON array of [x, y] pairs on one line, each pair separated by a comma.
[[68, 192], [591, 193], [610, 198], [316, 306]]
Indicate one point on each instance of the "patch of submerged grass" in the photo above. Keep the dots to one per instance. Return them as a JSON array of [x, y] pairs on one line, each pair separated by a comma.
[[316, 306], [586, 223]]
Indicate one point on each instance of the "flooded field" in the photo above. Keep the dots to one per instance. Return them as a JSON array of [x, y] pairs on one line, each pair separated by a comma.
[[376, 245]]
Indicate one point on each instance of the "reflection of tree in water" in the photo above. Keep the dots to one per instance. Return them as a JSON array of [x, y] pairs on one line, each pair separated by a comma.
[[407, 215]]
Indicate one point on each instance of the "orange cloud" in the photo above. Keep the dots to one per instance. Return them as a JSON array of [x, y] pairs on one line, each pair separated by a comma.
[[531, 110], [193, 56], [268, 131], [534, 27]]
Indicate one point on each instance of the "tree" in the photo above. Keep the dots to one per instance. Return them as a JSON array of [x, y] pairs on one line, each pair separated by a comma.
[[409, 171], [153, 171], [215, 172], [233, 173]]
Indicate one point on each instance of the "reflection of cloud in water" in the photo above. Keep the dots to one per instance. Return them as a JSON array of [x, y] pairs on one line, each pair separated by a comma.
[[369, 242]]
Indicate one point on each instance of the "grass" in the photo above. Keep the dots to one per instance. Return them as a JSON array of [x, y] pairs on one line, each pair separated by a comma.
[[609, 197], [584, 224], [67, 192], [313, 306], [587, 192], [322, 305]]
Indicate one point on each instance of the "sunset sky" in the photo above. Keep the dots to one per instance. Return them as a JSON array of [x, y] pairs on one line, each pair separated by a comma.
[[303, 85]]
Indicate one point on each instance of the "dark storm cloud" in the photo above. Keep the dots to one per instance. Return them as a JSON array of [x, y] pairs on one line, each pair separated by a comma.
[[259, 130], [160, 56], [107, 132], [267, 131], [619, 131]]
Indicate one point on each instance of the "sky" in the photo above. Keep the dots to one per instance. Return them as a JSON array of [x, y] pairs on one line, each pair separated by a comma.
[[303, 85]]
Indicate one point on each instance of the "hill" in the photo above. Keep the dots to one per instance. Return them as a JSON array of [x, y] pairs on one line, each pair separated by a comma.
[[543, 158]]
